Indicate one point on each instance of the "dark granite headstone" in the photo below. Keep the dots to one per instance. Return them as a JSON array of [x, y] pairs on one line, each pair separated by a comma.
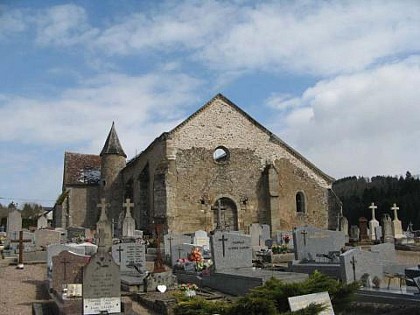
[[101, 285], [68, 269], [363, 226]]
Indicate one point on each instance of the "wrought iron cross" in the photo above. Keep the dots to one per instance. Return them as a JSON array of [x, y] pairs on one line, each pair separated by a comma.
[[223, 240], [304, 236], [119, 250], [353, 262]]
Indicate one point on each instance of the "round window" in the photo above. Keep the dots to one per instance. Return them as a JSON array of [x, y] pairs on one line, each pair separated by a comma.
[[221, 154]]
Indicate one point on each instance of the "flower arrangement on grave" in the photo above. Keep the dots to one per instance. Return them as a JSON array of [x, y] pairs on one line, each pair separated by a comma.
[[286, 238], [188, 289], [195, 255], [204, 264], [279, 249]]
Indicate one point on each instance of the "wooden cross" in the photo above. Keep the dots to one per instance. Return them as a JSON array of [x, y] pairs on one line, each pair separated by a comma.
[[304, 236], [21, 241], [119, 250], [223, 240], [65, 262], [103, 206], [353, 262], [373, 207], [128, 206], [395, 209], [219, 209]]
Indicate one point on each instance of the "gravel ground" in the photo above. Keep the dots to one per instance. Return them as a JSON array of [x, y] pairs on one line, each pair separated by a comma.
[[20, 288]]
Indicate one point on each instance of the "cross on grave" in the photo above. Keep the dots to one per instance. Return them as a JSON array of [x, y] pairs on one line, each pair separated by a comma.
[[65, 262], [373, 208], [395, 209], [219, 209], [353, 262], [304, 236], [119, 250], [21, 241], [128, 206], [103, 206], [223, 240], [179, 252]]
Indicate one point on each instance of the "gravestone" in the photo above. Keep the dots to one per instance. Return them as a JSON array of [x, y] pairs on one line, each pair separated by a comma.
[[364, 237], [131, 257], [344, 225], [101, 285], [265, 233], [311, 242], [397, 230], [172, 239], [129, 224], [255, 230], [201, 239], [387, 229], [373, 224], [182, 251], [14, 223], [299, 302], [354, 233], [68, 269], [46, 237], [56, 249], [42, 222], [378, 233], [103, 227], [231, 250]]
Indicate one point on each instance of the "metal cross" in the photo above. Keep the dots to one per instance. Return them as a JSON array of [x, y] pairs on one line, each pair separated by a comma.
[[219, 209], [223, 239], [119, 250], [353, 262], [304, 236]]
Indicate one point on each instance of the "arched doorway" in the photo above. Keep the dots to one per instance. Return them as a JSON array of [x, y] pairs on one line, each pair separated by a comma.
[[228, 214]]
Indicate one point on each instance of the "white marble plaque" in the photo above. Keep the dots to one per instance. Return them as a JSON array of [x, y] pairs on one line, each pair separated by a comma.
[[299, 302], [96, 306]]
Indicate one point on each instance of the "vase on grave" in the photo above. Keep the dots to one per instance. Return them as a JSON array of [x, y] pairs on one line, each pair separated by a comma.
[[190, 293]]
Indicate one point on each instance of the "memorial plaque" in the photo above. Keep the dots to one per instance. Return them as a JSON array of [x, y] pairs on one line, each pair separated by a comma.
[[131, 257], [299, 302], [101, 285]]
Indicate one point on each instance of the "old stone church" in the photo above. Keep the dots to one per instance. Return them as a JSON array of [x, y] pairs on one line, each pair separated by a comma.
[[217, 157]]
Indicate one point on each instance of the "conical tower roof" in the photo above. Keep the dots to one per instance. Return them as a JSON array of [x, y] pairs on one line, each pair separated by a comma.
[[112, 144]]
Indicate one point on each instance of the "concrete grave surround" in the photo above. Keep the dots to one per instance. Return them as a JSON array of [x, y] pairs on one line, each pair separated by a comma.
[[231, 250], [14, 224], [68, 269], [131, 257], [46, 237], [55, 249], [101, 285], [201, 239], [311, 241]]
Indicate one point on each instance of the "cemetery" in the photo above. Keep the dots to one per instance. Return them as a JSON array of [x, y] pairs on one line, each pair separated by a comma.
[[97, 271]]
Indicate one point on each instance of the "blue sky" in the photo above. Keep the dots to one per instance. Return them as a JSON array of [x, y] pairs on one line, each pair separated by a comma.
[[338, 81]]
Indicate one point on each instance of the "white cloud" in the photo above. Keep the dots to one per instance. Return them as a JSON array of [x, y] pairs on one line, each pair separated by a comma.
[[365, 123], [11, 22], [64, 25], [138, 104]]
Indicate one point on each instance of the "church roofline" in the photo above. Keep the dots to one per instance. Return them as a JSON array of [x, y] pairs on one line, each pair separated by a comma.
[[272, 136]]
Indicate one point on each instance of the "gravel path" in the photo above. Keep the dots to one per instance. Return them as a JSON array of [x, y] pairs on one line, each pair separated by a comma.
[[20, 288]]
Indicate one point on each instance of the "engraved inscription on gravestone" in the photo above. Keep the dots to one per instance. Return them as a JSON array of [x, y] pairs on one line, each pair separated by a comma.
[[130, 256], [101, 285]]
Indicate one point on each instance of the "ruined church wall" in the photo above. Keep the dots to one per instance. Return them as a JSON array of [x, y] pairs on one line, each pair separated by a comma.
[[251, 149], [153, 159]]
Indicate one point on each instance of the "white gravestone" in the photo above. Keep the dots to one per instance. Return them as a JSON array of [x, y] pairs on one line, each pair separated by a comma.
[[397, 230], [373, 224], [129, 224], [201, 239]]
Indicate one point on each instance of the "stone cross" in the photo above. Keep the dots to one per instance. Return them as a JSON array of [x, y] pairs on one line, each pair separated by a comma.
[[373, 207], [128, 205], [223, 239], [21, 241], [219, 209], [395, 209], [353, 262], [304, 236], [65, 262], [103, 206]]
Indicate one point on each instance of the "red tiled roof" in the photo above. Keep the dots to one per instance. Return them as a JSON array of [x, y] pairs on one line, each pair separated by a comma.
[[81, 168]]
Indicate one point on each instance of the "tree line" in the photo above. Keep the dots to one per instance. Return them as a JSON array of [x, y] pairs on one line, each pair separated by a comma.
[[357, 193], [30, 213]]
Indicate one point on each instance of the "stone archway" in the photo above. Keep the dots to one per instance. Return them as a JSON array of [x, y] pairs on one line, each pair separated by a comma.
[[228, 214]]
